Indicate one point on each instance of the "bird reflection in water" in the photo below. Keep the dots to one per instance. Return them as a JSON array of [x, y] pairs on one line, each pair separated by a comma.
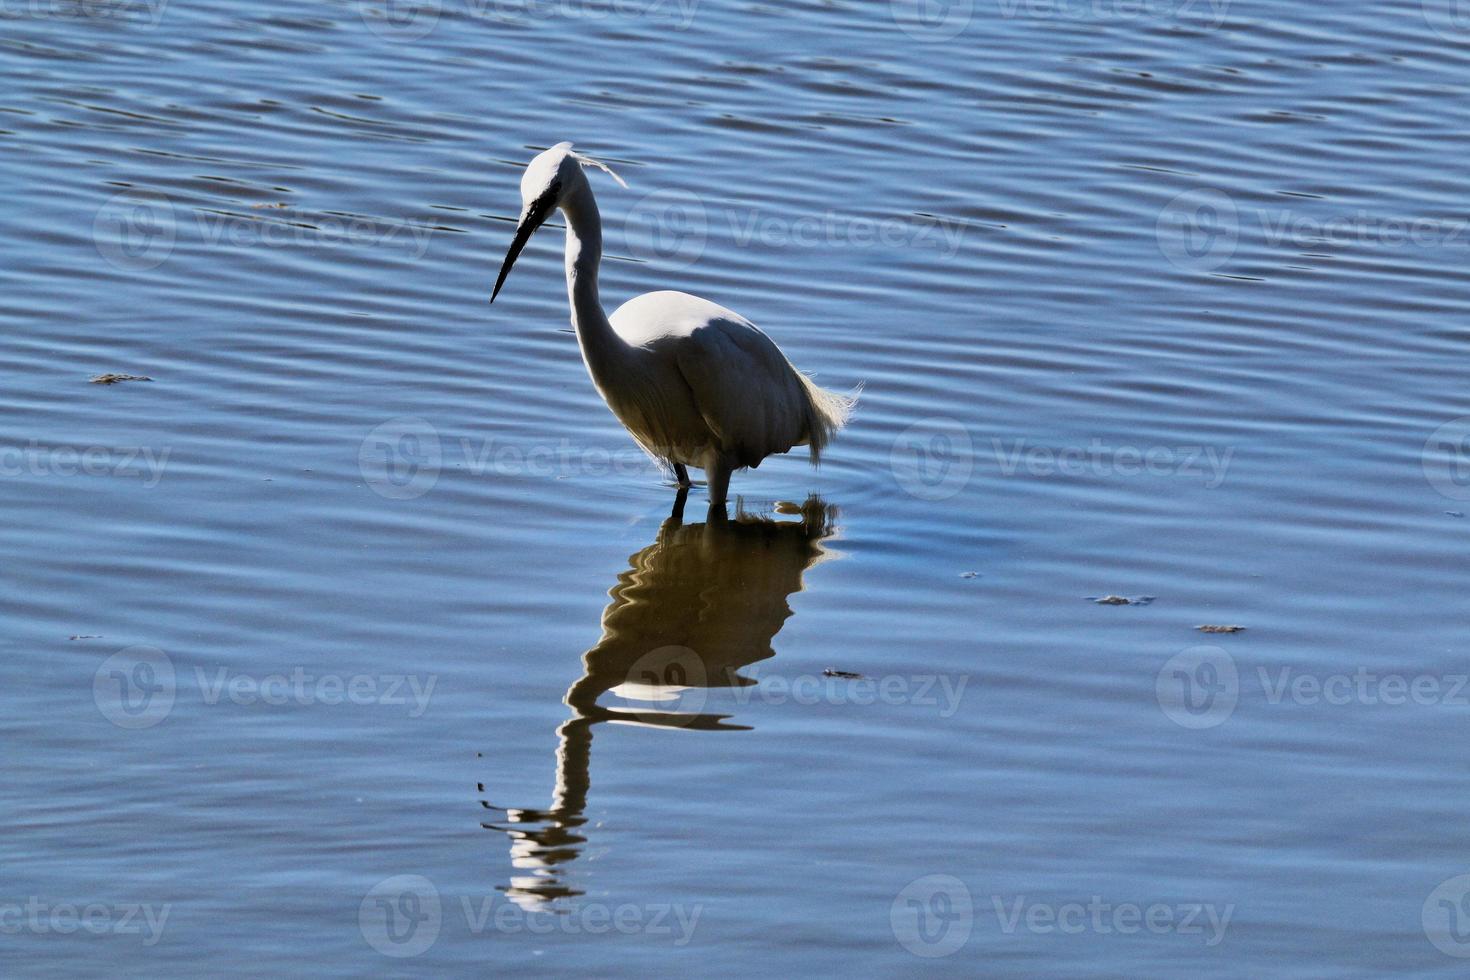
[[694, 607]]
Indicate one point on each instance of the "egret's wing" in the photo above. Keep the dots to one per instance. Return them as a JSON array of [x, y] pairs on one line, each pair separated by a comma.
[[746, 390]]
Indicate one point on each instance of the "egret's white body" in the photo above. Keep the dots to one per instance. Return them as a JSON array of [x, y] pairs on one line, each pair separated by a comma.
[[694, 383]]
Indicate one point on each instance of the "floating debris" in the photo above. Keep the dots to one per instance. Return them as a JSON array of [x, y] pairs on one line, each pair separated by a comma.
[[1455, 513], [969, 574], [86, 636], [260, 206], [1220, 629], [112, 379], [844, 674], [1118, 600]]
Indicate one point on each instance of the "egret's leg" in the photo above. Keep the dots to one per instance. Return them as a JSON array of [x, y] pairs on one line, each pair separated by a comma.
[[678, 515], [682, 474], [718, 474]]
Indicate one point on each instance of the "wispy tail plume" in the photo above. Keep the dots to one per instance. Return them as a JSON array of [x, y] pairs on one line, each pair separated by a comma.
[[826, 413]]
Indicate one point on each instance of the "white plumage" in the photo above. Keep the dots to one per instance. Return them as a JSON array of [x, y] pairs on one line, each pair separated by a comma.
[[694, 383]]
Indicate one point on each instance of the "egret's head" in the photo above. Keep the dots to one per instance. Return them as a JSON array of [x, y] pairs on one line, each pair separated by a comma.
[[550, 177]]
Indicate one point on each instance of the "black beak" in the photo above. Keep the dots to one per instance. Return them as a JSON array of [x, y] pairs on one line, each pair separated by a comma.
[[528, 225], [532, 218]]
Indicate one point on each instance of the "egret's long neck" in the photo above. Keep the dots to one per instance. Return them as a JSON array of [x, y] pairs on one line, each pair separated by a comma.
[[600, 345]]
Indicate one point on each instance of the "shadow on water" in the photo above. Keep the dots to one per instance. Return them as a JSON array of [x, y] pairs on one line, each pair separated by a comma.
[[693, 608]]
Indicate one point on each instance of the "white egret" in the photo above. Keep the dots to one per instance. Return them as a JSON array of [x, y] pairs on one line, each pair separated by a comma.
[[694, 383]]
